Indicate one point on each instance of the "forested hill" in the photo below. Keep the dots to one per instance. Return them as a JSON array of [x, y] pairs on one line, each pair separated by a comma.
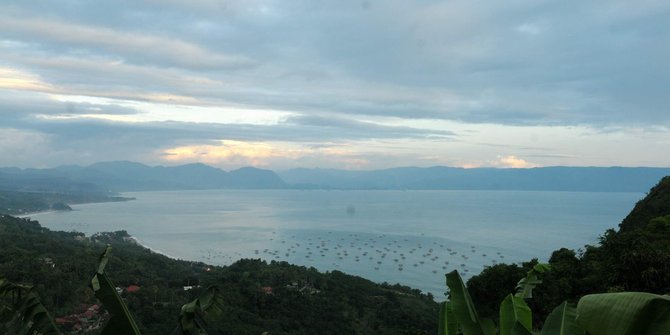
[[277, 298], [634, 258], [17, 202], [655, 204]]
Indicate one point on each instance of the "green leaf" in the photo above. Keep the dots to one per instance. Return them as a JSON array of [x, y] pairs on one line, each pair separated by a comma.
[[527, 284], [562, 321], [464, 308], [626, 313], [22, 312], [488, 327], [121, 321], [192, 316], [541, 267], [514, 310], [519, 329], [448, 324]]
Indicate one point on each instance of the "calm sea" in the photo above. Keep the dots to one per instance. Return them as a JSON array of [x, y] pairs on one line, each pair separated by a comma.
[[407, 237]]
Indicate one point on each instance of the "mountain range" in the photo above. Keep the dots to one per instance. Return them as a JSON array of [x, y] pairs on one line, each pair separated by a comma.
[[595, 179], [121, 176]]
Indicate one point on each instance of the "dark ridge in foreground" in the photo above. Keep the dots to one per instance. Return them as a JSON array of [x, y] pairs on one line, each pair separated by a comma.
[[278, 298]]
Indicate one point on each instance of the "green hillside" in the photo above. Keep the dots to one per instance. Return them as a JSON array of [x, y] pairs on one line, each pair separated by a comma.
[[655, 204], [278, 297]]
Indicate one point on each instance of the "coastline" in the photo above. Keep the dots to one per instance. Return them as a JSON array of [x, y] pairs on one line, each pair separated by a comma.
[[27, 215], [132, 238], [51, 210], [137, 241]]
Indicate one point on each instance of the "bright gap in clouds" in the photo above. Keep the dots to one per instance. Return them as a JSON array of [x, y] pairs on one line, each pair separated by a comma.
[[152, 111], [233, 154]]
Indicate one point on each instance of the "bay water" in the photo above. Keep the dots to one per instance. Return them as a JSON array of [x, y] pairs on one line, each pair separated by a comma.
[[407, 237]]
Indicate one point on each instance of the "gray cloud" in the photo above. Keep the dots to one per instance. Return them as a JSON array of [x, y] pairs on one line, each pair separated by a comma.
[[135, 46], [26, 106], [84, 141], [524, 62], [168, 133], [333, 65], [342, 125], [58, 127]]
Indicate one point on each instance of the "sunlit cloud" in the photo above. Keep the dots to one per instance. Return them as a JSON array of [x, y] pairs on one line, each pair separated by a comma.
[[231, 153], [18, 80], [511, 161], [14, 79]]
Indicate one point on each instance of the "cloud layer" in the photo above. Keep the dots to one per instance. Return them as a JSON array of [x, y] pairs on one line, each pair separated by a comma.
[[146, 77]]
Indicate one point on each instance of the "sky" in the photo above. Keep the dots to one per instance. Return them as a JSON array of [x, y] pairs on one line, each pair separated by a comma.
[[341, 84]]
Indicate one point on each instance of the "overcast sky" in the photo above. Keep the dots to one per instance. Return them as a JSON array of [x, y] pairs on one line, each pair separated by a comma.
[[335, 84]]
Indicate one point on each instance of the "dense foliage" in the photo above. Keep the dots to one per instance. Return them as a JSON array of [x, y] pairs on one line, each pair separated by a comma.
[[635, 258], [278, 297], [654, 205], [621, 313]]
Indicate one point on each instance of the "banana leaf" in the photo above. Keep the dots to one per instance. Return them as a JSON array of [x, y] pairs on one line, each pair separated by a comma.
[[464, 309], [514, 310], [527, 284], [192, 317], [562, 321], [625, 313], [121, 322], [519, 329], [22, 312], [448, 324]]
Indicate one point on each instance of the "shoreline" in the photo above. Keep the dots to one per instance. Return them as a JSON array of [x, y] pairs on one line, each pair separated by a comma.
[[137, 241], [134, 239], [51, 210]]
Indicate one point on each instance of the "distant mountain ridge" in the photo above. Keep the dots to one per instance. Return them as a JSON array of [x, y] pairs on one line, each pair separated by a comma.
[[595, 179], [120, 176]]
